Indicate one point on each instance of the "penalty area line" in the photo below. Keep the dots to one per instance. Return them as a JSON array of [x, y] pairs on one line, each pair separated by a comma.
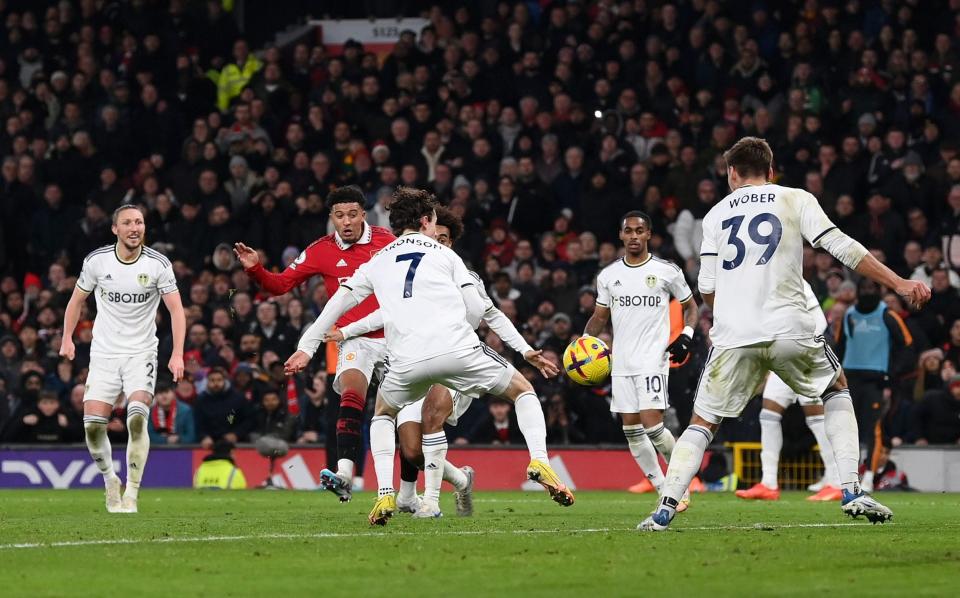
[[388, 534]]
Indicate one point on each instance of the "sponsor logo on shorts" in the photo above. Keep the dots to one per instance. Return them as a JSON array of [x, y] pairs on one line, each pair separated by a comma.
[[350, 356]]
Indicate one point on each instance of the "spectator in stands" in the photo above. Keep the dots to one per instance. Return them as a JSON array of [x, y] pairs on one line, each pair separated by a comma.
[[937, 416], [499, 426], [171, 420], [221, 413], [272, 419]]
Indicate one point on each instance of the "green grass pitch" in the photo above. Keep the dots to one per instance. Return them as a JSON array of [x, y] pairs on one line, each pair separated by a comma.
[[261, 543]]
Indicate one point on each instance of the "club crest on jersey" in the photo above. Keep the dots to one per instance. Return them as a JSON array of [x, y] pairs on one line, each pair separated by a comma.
[[350, 356], [143, 279], [651, 281]]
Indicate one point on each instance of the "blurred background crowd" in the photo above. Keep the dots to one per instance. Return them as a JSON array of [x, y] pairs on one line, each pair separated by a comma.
[[539, 123]]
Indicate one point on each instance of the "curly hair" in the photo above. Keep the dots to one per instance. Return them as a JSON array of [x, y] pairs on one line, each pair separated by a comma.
[[346, 194], [446, 218], [409, 205]]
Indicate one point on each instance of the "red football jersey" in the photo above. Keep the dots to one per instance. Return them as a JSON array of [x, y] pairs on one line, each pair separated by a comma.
[[334, 260]]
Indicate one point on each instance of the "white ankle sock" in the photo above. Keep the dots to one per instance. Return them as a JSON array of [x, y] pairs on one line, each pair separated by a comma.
[[840, 422], [408, 491], [662, 439], [434, 460], [819, 429], [454, 475], [771, 443], [383, 446], [687, 457], [345, 469], [532, 425], [644, 454]]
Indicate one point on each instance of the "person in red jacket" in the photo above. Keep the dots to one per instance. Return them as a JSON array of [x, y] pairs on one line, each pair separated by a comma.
[[336, 257]]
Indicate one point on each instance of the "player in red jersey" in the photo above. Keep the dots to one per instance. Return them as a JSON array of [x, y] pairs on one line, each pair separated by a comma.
[[335, 257]]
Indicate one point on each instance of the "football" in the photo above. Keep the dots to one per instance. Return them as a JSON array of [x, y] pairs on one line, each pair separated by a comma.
[[587, 361]]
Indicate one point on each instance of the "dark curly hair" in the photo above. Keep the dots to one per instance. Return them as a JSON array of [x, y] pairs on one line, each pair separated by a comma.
[[409, 205], [446, 218], [346, 194]]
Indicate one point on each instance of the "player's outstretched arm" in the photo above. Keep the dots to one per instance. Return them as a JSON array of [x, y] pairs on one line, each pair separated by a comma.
[[914, 291], [598, 321], [362, 326], [70, 318], [275, 284], [178, 324], [341, 301]]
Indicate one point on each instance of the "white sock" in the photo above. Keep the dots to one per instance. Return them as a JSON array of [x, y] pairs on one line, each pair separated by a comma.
[[454, 475], [383, 446], [532, 425], [687, 457], [434, 459], [95, 432], [840, 422], [771, 443], [345, 469], [663, 439], [408, 491], [816, 425], [644, 454], [138, 446]]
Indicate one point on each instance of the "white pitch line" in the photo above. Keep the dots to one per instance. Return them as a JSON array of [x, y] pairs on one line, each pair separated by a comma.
[[325, 535]]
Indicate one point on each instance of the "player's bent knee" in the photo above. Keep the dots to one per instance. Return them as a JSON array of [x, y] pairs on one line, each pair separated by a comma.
[[651, 417], [518, 386]]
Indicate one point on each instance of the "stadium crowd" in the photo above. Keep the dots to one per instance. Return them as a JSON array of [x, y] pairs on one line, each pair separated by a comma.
[[538, 123]]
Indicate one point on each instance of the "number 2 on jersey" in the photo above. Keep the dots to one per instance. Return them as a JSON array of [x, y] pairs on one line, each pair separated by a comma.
[[414, 259], [772, 240]]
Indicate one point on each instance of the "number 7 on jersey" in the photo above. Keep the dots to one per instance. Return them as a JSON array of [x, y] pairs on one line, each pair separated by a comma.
[[414, 259]]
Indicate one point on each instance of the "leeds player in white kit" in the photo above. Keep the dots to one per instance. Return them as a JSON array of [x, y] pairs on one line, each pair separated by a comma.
[[430, 309], [777, 397], [128, 281], [750, 274], [635, 292], [418, 427]]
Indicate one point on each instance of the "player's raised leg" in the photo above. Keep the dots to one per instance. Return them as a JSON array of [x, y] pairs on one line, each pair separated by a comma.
[[534, 429], [726, 385], [353, 384]]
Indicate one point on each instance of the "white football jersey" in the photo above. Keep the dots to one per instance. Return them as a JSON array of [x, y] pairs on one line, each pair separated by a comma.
[[757, 234], [417, 283], [127, 296], [639, 301], [813, 306]]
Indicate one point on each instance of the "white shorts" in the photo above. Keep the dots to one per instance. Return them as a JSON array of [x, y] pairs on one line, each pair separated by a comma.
[[109, 377], [776, 390], [413, 412], [643, 392], [731, 376], [364, 354], [474, 371]]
